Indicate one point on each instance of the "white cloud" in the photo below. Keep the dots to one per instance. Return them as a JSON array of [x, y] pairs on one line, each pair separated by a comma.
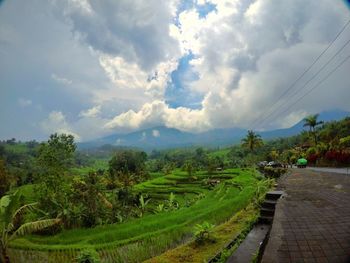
[[24, 102], [138, 31], [81, 5], [61, 80], [155, 133], [92, 112], [56, 123], [157, 113], [245, 56], [119, 56], [130, 76], [293, 118], [89, 126]]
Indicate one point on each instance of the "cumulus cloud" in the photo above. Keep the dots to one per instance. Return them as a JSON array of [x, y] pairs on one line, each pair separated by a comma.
[[158, 113], [92, 112], [131, 76], [56, 123], [120, 56], [88, 126], [246, 53], [134, 44], [138, 31]]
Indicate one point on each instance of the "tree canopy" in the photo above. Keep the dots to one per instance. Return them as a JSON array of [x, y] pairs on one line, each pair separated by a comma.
[[252, 141]]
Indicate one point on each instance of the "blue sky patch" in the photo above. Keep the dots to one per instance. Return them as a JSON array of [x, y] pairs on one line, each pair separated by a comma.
[[203, 10], [177, 93]]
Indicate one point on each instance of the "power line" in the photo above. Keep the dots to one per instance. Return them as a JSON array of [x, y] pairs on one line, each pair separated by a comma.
[[317, 85], [305, 71], [306, 83]]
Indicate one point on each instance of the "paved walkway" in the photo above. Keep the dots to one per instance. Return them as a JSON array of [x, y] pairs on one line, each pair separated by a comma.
[[312, 222]]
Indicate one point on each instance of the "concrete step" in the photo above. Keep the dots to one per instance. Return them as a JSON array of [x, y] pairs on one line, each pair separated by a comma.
[[267, 212], [269, 204], [265, 219], [274, 195]]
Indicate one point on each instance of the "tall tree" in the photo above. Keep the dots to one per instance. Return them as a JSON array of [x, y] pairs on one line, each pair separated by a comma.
[[55, 157], [128, 162], [54, 160], [4, 178], [252, 141], [312, 122]]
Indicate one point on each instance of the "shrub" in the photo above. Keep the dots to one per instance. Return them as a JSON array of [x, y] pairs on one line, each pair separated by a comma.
[[274, 172], [338, 156], [202, 232], [312, 158], [88, 256]]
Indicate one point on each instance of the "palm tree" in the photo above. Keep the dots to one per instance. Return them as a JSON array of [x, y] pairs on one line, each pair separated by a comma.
[[10, 217], [312, 123], [252, 141]]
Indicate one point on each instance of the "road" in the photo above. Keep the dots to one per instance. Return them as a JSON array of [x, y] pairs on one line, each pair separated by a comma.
[[331, 170]]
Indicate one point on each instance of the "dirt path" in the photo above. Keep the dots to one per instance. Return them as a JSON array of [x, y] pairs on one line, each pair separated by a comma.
[[312, 222]]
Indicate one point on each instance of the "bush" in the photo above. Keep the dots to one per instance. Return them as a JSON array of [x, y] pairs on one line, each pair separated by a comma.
[[342, 157], [273, 172], [202, 232], [88, 256]]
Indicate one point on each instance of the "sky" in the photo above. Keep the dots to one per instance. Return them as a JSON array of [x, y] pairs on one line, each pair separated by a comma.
[[93, 68]]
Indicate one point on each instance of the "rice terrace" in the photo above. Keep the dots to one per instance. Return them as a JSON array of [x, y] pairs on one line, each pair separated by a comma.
[[180, 131], [159, 228]]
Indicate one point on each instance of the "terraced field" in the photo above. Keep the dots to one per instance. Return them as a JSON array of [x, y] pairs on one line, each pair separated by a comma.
[[214, 198]]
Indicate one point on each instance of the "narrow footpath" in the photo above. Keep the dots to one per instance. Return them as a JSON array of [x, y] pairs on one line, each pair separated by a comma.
[[312, 221]]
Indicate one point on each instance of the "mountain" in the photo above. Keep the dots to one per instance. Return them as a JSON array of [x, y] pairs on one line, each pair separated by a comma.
[[162, 137], [157, 137], [325, 116]]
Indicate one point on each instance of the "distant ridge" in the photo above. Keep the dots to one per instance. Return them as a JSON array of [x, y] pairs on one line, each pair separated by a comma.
[[162, 137]]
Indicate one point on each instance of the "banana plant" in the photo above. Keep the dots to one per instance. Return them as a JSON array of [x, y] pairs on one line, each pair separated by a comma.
[[160, 208], [202, 232], [171, 203], [142, 205], [10, 216]]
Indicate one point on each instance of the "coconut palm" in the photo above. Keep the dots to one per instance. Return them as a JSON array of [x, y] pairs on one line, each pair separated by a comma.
[[312, 123], [10, 217], [252, 141]]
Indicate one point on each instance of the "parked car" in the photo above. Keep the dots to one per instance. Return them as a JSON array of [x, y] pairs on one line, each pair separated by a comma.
[[274, 164], [262, 164], [301, 163]]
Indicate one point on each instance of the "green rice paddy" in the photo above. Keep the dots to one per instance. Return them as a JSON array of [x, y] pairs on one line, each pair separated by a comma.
[[142, 238]]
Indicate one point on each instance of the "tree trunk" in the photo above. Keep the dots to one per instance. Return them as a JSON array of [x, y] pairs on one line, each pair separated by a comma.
[[4, 257], [315, 138]]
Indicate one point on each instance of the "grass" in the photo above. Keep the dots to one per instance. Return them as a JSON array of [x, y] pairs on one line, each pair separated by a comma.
[[151, 235], [222, 153], [220, 237], [96, 165], [17, 148]]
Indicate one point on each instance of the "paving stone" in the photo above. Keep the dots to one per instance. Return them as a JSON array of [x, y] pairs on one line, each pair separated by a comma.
[[312, 221]]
